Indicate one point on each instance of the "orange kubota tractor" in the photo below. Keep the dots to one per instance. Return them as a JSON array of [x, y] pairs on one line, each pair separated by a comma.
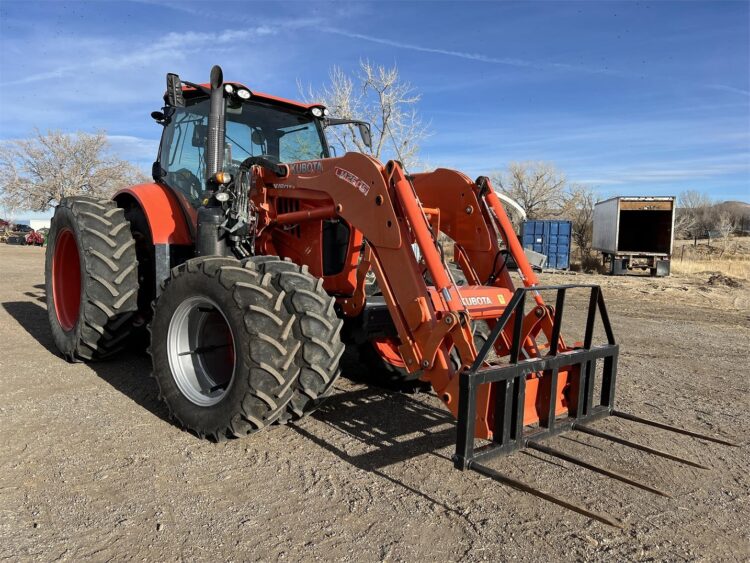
[[248, 257]]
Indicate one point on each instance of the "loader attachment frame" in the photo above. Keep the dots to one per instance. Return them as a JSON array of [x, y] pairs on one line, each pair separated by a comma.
[[510, 380]]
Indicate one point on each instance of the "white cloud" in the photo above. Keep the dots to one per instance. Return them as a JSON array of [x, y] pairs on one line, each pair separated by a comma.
[[103, 82], [113, 57], [134, 149], [731, 89], [509, 61]]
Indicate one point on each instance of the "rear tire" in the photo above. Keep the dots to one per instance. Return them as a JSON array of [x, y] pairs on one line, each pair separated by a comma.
[[316, 327], [91, 278], [223, 348]]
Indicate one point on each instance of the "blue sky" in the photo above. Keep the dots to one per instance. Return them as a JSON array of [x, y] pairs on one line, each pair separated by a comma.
[[630, 97]]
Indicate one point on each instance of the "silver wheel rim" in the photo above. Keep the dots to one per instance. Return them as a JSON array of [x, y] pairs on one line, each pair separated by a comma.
[[201, 351]]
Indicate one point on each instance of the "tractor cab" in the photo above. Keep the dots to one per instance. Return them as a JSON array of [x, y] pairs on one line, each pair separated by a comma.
[[255, 126]]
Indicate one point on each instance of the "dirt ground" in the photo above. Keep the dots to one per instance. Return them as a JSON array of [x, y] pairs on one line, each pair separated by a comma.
[[90, 468]]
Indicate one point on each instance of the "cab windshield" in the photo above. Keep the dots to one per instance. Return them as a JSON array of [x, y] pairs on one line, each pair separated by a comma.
[[253, 128]]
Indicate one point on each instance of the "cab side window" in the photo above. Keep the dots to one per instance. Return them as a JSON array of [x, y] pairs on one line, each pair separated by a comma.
[[183, 150]]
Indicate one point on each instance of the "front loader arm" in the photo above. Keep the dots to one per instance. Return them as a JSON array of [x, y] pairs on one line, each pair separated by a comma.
[[380, 202], [434, 322]]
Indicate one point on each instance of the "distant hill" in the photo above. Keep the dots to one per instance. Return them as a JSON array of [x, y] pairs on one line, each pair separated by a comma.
[[735, 207]]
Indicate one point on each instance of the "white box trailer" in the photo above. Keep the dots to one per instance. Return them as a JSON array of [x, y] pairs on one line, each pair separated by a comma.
[[37, 224], [635, 232]]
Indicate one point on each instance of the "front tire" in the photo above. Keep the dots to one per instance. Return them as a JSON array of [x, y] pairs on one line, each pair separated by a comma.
[[223, 348], [316, 327]]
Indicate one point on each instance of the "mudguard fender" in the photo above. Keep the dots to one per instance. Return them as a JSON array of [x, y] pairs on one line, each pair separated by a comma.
[[171, 224]]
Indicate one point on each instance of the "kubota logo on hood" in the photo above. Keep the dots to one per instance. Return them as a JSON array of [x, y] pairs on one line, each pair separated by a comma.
[[469, 301], [307, 167]]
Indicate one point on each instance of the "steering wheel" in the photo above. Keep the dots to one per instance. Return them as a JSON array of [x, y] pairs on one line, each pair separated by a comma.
[[268, 161]]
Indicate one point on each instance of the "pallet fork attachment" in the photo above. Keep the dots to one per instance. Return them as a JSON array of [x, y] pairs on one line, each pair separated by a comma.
[[509, 431]]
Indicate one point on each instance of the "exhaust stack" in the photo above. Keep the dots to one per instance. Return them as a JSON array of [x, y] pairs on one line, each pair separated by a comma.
[[209, 241], [215, 144]]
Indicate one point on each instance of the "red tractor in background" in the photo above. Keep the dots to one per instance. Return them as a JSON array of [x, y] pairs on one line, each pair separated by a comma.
[[35, 238], [247, 259]]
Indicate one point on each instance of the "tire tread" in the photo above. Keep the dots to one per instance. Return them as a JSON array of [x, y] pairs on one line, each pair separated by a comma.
[[109, 277], [267, 369], [316, 327]]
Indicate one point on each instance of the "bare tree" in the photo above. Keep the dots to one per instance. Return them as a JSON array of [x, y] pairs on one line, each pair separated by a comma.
[[538, 187], [726, 225], [8, 211], [581, 212], [377, 95], [696, 216], [738, 212], [684, 223], [693, 199], [37, 173]]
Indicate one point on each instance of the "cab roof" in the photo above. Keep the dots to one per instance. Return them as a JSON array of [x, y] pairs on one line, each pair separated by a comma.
[[259, 96]]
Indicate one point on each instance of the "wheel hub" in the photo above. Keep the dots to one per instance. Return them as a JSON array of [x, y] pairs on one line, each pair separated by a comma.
[[201, 351], [66, 279]]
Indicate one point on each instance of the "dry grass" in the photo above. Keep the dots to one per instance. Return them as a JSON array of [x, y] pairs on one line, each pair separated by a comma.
[[729, 257], [737, 268]]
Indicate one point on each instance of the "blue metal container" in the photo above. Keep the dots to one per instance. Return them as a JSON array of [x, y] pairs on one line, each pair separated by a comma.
[[551, 238]]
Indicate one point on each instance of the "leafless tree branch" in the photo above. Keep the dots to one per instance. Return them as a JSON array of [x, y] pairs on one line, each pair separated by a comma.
[[37, 173], [538, 187], [379, 96]]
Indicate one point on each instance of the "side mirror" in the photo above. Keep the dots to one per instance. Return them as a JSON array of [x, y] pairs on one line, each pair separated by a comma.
[[174, 91], [364, 132], [363, 126], [157, 172], [159, 117], [258, 138]]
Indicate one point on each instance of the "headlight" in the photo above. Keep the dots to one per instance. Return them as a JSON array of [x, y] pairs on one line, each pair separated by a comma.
[[222, 177], [229, 89], [317, 112], [326, 112], [244, 94], [222, 197]]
